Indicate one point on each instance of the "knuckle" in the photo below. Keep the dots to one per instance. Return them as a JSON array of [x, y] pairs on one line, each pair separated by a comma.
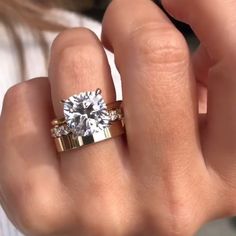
[[178, 223], [14, 93], [107, 219], [157, 43], [99, 224], [23, 91], [181, 223], [37, 211], [77, 55], [72, 37], [76, 60], [41, 217], [100, 228]]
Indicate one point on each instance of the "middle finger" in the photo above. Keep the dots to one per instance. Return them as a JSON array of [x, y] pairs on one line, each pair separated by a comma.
[[158, 85]]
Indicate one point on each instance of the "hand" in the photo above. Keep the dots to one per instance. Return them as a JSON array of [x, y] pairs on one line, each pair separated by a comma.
[[176, 168]]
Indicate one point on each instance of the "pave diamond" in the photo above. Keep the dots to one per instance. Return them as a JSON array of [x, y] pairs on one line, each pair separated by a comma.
[[60, 131], [86, 113], [114, 115]]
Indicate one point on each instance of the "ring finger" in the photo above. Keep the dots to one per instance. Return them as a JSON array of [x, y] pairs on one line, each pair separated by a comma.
[[79, 63]]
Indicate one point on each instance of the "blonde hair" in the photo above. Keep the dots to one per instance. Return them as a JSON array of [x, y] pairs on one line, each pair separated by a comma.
[[31, 14]]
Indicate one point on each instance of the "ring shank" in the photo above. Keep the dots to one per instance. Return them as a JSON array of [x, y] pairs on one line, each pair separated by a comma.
[[68, 142]]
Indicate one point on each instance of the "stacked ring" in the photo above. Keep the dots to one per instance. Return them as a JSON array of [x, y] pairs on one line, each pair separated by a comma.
[[87, 120]]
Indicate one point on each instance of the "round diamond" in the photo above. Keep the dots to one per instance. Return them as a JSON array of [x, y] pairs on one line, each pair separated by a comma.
[[114, 115], [86, 113], [60, 131]]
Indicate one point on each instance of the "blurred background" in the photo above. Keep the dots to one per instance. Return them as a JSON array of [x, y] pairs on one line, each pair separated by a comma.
[[95, 9]]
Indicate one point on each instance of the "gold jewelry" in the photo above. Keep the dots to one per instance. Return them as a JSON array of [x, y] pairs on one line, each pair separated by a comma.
[[114, 108], [69, 142], [88, 119]]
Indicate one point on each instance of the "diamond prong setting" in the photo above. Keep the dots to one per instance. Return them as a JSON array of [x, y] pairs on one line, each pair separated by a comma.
[[86, 113]]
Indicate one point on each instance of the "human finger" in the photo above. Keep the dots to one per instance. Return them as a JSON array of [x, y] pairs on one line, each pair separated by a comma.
[[159, 89], [29, 167], [78, 64], [215, 29]]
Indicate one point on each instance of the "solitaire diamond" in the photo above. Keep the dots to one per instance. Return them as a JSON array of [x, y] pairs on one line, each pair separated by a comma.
[[86, 113]]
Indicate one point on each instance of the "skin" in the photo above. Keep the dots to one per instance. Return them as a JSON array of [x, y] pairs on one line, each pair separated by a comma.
[[174, 171]]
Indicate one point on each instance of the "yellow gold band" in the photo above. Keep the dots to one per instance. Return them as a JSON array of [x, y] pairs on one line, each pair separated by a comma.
[[69, 142]]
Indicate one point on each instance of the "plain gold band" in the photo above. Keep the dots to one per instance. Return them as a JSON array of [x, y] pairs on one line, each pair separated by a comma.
[[68, 142]]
